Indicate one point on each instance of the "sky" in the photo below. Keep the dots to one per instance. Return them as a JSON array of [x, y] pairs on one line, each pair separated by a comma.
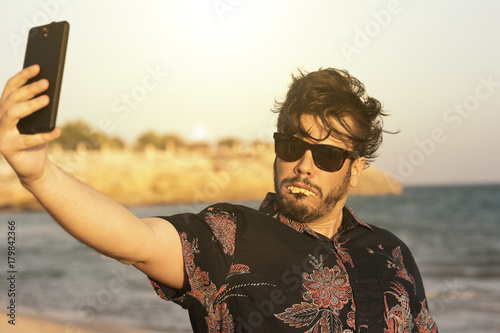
[[212, 69]]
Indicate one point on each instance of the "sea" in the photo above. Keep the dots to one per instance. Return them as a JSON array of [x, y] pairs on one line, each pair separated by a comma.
[[452, 231]]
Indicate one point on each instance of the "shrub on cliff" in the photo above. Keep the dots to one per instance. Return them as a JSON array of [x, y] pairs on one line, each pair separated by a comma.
[[78, 132]]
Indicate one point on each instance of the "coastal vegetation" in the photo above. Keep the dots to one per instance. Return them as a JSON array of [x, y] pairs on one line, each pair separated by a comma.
[[165, 168]]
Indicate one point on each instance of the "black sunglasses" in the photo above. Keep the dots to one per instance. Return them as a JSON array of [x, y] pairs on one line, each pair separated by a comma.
[[326, 157]]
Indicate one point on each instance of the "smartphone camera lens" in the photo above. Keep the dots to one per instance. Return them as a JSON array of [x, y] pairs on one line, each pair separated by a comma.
[[45, 33]]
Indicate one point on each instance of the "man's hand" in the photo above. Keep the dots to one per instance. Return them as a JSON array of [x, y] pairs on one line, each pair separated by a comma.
[[152, 245], [27, 154]]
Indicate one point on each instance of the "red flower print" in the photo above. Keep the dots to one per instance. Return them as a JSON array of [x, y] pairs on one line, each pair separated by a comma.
[[400, 266], [188, 254], [205, 291], [342, 251], [398, 319], [328, 288], [424, 321], [351, 321], [238, 269], [395, 261], [224, 228], [299, 315], [328, 291], [220, 320]]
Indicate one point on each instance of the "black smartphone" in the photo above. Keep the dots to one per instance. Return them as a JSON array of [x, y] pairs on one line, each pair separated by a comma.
[[46, 47]]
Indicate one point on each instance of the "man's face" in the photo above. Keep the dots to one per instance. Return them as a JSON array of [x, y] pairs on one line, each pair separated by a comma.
[[305, 192]]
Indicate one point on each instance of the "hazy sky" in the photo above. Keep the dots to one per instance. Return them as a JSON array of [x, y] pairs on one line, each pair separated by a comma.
[[209, 69]]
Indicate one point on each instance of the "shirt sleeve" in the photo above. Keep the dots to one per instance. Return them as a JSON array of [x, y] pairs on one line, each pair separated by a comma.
[[421, 316], [406, 286], [207, 245], [403, 293]]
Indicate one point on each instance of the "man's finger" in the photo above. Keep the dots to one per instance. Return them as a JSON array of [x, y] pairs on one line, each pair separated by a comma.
[[20, 79], [28, 141], [12, 116], [23, 94]]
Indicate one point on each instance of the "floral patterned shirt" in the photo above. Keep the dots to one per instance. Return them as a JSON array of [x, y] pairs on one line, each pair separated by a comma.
[[259, 271]]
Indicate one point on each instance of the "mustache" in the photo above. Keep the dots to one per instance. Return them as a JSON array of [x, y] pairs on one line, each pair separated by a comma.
[[303, 180]]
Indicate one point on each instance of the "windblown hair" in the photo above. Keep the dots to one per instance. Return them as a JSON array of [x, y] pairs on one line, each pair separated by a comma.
[[333, 94]]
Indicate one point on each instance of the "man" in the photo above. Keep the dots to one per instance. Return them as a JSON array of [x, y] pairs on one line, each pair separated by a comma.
[[302, 263]]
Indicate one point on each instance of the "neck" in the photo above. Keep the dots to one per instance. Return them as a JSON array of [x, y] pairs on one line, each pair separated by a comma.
[[328, 225]]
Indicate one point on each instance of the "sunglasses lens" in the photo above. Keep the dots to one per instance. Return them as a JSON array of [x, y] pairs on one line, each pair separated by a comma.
[[289, 149], [328, 158]]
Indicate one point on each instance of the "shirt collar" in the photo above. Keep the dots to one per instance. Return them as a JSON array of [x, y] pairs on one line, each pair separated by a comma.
[[271, 207]]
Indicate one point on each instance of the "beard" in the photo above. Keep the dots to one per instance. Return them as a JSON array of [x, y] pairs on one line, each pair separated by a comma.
[[301, 212]]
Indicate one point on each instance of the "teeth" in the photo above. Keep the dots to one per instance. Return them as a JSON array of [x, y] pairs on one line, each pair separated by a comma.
[[295, 190]]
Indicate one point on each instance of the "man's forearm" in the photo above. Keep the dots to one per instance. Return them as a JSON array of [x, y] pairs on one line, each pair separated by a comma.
[[89, 215]]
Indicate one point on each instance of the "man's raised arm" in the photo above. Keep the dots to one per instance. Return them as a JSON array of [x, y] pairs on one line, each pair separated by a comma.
[[152, 245]]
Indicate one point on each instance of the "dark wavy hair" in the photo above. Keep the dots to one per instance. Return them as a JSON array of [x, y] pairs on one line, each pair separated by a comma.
[[333, 94]]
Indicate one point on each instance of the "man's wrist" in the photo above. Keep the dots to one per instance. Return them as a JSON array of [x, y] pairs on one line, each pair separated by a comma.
[[45, 178]]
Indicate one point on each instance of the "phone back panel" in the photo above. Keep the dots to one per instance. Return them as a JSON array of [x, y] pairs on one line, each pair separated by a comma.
[[47, 48]]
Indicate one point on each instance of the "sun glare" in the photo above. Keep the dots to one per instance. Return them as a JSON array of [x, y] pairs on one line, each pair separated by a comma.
[[200, 133]]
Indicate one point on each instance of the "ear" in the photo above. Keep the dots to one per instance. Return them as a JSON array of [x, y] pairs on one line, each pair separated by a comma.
[[356, 168]]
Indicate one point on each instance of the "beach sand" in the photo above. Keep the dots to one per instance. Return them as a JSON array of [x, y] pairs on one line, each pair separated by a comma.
[[33, 323]]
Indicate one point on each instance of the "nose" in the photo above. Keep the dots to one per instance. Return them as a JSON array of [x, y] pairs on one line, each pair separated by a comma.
[[305, 166]]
